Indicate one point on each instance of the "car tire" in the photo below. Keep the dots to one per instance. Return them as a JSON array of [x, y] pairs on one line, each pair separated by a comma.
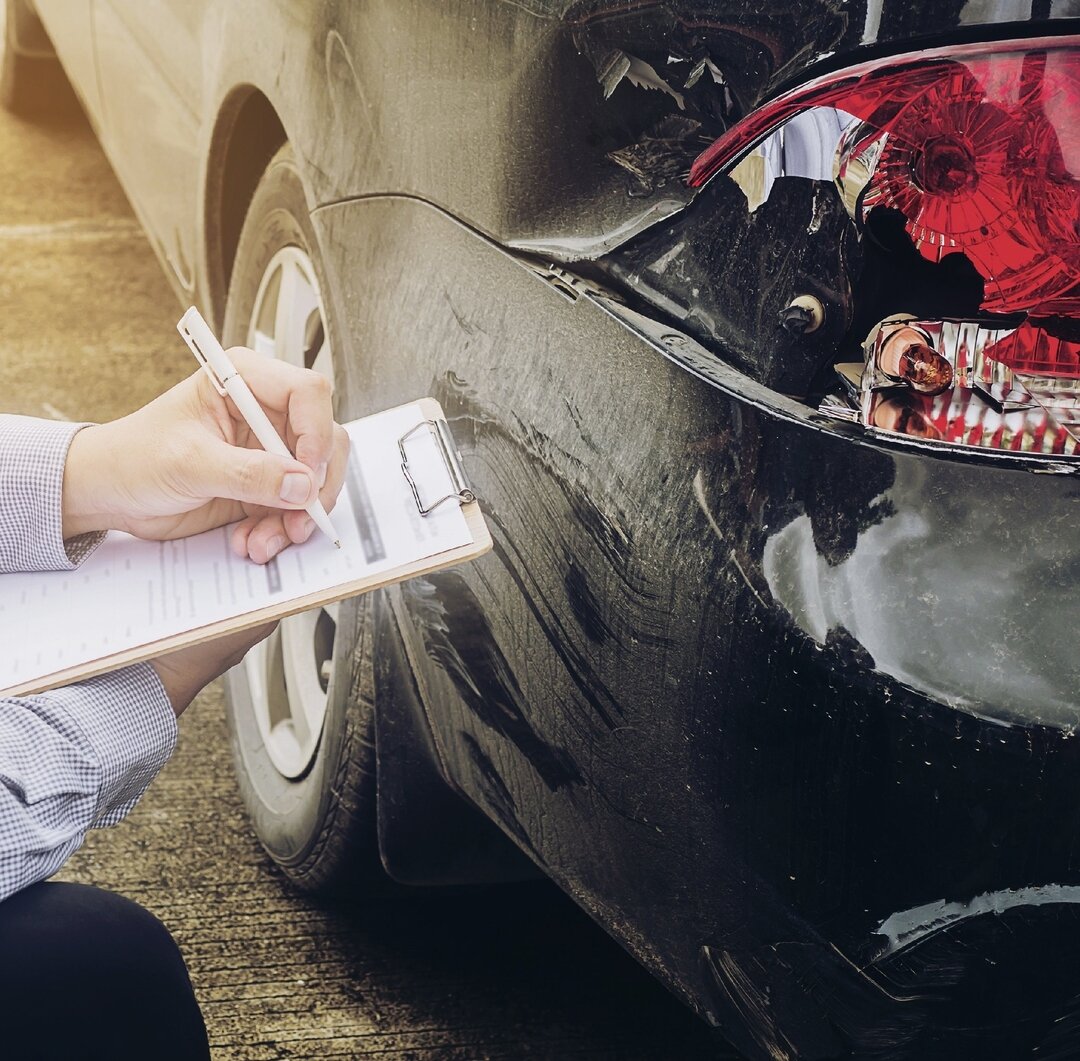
[[318, 826], [32, 82]]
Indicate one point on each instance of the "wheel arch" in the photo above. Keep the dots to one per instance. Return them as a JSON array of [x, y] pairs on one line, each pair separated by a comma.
[[247, 133]]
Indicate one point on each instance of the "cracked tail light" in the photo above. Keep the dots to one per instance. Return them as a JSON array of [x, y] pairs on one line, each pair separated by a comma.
[[977, 148], [1001, 396]]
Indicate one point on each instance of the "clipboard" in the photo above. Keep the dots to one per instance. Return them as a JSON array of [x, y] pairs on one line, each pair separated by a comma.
[[405, 476]]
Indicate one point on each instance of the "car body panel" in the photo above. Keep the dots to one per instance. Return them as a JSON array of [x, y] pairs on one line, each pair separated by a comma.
[[733, 679], [787, 706]]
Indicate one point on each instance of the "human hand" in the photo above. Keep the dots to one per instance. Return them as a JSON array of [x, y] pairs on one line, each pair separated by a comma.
[[184, 672], [187, 462]]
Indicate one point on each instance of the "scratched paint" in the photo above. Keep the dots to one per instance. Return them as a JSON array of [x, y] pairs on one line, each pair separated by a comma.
[[459, 639], [744, 682], [732, 762]]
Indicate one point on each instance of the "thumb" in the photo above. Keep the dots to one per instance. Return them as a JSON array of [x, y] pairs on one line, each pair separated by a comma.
[[256, 477]]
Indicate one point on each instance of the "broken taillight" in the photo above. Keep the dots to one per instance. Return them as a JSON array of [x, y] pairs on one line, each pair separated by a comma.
[[977, 149], [991, 400]]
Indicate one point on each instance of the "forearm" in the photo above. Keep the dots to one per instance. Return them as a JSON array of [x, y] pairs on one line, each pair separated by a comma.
[[74, 759]]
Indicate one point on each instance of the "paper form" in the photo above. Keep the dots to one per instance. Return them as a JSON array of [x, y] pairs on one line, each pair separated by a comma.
[[131, 593]]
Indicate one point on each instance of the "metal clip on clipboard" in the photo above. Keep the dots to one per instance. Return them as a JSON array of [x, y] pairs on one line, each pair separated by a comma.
[[440, 431]]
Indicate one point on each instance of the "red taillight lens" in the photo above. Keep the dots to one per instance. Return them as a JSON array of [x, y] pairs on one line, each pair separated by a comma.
[[973, 163], [1032, 350], [978, 148]]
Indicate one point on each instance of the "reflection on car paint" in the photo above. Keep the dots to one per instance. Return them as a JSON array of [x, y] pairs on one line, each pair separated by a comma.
[[934, 608], [907, 927]]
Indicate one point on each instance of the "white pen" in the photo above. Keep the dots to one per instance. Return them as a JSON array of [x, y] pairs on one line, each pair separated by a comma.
[[222, 372]]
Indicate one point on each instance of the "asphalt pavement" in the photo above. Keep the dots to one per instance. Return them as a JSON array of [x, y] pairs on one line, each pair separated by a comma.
[[88, 333]]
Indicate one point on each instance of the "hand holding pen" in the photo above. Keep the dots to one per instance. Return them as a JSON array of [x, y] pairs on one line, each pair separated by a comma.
[[189, 461], [228, 381]]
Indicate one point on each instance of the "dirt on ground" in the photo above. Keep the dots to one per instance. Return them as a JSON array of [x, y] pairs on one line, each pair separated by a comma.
[[88, 333]]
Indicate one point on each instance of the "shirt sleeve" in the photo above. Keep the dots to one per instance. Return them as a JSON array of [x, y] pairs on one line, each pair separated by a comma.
[[74, 759], [32, 457]]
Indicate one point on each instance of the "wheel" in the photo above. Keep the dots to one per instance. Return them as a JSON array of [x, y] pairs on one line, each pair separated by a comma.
[[301, 705], [32, 82]]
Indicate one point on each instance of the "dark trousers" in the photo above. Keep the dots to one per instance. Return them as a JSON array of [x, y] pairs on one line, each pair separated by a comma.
[[88, 975]]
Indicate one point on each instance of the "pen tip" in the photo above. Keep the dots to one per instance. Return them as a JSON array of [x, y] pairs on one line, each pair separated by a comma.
[[337, 542]]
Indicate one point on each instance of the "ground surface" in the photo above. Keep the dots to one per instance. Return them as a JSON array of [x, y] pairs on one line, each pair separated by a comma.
[[87, 332]]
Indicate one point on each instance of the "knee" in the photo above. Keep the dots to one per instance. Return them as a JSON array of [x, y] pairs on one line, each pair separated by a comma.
[[85, 933], [109, 966]]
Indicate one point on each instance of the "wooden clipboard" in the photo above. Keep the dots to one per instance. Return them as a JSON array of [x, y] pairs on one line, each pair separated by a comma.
[[432, 420]]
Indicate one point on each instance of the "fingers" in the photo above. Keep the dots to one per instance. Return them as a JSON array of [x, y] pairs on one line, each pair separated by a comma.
[[252, 476], [263, 535], [311, 423], [261, 538], [274, 490], [335, 470], [303, 397]]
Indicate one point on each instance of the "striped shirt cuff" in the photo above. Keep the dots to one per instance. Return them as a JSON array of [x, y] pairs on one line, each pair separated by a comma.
[[128, 720], [32, 457]]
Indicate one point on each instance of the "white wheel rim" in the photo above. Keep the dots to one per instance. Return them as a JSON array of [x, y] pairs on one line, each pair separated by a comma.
[[288, 675]]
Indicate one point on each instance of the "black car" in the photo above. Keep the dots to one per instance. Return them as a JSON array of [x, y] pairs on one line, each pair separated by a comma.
[[757, 327]]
